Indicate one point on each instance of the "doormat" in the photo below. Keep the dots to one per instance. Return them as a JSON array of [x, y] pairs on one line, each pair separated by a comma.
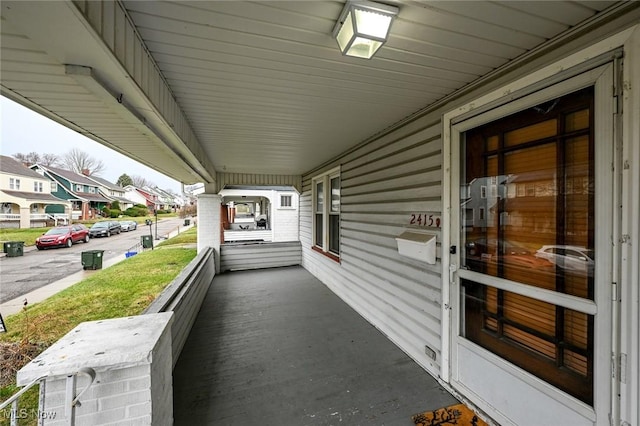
[[458, 415]]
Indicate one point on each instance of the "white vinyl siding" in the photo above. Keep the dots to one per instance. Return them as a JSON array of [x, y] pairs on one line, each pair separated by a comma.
[[285, 220], [382, 184]]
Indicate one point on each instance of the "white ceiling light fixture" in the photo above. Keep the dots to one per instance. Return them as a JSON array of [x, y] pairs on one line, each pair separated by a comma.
[[363, 27]]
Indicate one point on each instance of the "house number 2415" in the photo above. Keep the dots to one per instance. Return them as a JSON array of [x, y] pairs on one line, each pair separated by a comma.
[[429, 220]]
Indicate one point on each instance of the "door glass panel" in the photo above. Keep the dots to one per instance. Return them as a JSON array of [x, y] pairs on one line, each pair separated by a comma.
[[527, 207], [549, 341]]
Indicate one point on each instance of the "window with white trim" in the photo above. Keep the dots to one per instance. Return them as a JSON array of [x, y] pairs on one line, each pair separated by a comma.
[[37, 186], [326, 209], [14, 183], [79, 188], [54, 186]]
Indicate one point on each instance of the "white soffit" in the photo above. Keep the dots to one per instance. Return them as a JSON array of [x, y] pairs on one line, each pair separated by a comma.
[[263, 85]]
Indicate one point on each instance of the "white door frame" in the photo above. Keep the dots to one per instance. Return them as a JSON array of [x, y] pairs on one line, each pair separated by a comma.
[[494, 99]]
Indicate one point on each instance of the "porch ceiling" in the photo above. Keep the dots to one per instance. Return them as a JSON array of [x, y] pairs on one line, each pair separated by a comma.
[[261, 85]]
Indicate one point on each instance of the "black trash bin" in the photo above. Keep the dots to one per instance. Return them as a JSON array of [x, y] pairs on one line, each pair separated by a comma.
[[187, 222], [14, 248], [147, 241], [92, 259]]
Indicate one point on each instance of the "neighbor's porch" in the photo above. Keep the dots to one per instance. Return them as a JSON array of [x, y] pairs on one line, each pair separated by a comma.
[[277, 347]]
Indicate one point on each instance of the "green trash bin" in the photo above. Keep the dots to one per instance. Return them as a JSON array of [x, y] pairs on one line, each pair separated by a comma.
[[147, 241], [14, 248], [187, 222], [92, 259]]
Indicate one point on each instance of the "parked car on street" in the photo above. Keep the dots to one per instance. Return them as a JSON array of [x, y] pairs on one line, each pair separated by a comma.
[[128, 225], [63, 236], [572, 258], [105, 228]]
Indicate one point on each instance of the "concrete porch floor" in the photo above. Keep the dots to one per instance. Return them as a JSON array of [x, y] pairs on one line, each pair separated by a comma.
[[277, 347]]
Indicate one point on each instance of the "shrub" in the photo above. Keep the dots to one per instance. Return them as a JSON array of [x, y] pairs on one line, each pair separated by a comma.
[[136, 211], [114, 213]]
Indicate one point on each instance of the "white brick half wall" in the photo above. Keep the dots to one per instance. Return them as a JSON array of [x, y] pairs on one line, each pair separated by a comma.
[[132, 361], [209, 229]]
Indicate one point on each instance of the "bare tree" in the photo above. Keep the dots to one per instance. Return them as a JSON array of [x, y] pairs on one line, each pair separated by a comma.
[[49, 160], [79, 161], [21, 157], [33, 158], [141, 182], [28, 159]]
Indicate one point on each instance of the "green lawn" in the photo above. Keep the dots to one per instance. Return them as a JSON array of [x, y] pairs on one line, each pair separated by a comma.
[[28, 235], [124, 289], [121, 290], [189, 236]]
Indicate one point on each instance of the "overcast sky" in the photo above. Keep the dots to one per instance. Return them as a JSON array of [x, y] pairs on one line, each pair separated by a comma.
[[25, 131]]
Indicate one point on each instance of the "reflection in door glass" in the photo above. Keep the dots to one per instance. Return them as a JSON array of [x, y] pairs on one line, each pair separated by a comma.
[[528, 211], [526, 208]]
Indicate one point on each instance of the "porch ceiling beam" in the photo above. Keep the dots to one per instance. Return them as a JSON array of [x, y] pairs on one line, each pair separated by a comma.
[[99, 37]]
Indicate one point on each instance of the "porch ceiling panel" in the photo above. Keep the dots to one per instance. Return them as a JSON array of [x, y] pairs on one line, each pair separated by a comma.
[[263, 85]]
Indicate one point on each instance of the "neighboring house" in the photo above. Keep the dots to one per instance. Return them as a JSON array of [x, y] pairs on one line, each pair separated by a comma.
[[113, 192], [83, 193], [263, 213], [25, 195], [165, 200], [141, 196]]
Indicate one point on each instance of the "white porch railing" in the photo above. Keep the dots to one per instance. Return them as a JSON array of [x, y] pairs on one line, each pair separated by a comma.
[[40, 216], [9, 216], [248, 235], [72, 399], [56, 217], [60, 217]]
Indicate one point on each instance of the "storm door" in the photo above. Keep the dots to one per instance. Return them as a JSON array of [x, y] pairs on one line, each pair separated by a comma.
[[533, 283]]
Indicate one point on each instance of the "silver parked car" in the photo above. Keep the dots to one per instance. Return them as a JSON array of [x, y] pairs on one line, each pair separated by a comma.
[[128, 225], [572, 258]]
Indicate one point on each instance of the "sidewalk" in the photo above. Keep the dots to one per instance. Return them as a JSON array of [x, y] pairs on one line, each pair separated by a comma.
[[14, 306]]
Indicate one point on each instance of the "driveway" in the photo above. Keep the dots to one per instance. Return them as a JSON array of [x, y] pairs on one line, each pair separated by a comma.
[[23, 274]]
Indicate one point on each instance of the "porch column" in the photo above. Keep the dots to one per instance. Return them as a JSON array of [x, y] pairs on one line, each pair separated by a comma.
[[68, 211], [209, 224], [85, 211], [25, 217]]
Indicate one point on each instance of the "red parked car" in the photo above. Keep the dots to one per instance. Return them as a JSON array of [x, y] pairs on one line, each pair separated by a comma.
[[63, 236]]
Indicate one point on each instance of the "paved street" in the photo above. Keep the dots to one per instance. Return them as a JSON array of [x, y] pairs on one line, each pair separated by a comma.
[[20, 275]]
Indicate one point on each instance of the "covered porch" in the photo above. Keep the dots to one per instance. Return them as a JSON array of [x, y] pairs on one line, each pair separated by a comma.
[[277, 347]]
